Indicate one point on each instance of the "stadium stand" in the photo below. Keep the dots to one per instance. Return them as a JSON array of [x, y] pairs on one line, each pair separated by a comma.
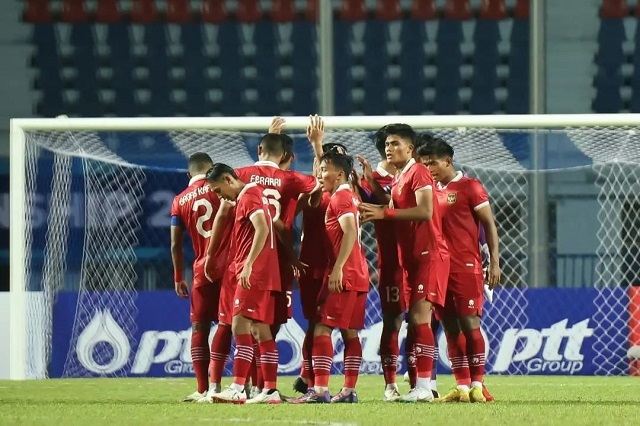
[[178, 57]]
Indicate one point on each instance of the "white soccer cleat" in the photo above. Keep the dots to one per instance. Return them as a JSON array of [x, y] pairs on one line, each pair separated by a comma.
[[391, 394], [207, 399], [266, 397], [417, 395], [254, 391], [194, 397], [406, 377], [229, 396]]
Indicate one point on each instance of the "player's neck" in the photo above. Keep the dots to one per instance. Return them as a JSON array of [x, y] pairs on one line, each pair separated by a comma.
[[268, 158], [445, 180], [338, 185], [390, 168]]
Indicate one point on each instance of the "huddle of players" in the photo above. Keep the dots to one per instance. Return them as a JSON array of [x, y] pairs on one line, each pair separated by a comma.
[[236, 282]]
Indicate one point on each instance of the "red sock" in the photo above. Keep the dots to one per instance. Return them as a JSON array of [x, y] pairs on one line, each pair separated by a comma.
[[200, 358], [475, 354], [269, 363], [220, 348], [410, 356], [242, 358], [256, 369], [424, 350], [352, 362], [307, 353], [389, 351], [457, 350], [322, 360]]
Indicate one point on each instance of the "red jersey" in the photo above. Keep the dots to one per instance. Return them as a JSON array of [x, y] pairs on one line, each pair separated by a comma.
[[194, 209], [459, 200], [251, 202], [282, 188], [422, 237], [312, 245], [355, 273], [385, 231]]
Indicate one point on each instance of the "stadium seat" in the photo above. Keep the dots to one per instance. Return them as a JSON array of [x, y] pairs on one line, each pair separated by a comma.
[[614, 9], [608, 99], [517, 98], [73, 11], [248, 11], [447, 101], [521, 11], [353, 10], [107, 12], [144, 12], [37, 12], [457, 10], [520, 34], [483, 100], [486, 31], [493, 9], [304, 52], [283, 11], [178, 11], [213, 11], [611, 35], [311, 11], [422, 10], [449, 32], [388, 10]]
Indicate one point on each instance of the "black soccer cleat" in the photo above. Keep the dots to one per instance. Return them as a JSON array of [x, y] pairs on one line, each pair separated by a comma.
[[435, 393], [300, 386]]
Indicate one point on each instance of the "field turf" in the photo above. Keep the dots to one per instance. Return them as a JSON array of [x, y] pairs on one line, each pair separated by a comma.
[[532, 400]]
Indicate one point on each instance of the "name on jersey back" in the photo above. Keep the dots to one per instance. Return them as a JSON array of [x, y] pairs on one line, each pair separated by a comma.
[[201, 190], [266, 181]]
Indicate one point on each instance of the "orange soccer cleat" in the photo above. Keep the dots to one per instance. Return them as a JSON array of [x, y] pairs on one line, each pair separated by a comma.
[[487, 394]]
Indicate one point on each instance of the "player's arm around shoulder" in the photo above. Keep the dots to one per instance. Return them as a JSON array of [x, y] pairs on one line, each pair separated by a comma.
[[482, 207]]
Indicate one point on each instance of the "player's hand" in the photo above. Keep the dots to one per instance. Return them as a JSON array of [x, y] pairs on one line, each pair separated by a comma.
[[315, 129], [243, 279], [370, 212], [209, 267], [182, 290], [355, 178], [298, 266], [493, 274], [277, 124], [367, 170], [335, 280]]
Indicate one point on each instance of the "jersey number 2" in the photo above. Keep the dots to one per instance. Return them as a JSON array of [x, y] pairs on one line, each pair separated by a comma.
[[208, 211]]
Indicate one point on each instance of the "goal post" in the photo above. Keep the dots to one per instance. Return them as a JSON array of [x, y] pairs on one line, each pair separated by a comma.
[[594, 161]]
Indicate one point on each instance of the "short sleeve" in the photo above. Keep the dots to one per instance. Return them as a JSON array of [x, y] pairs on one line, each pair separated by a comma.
[[478, 197], [421, 179], [302, 183], [175, 207], [344, 205]]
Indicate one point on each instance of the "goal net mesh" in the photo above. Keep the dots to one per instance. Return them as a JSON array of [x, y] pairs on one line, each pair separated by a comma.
[[91, 231]]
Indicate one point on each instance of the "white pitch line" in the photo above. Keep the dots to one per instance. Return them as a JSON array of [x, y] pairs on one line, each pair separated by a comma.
[[295, 422]]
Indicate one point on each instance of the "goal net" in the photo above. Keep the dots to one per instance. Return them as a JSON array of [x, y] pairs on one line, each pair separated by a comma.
[[90, 248]]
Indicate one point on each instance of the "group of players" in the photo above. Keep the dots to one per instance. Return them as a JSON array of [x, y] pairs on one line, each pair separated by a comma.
[[427, 217]]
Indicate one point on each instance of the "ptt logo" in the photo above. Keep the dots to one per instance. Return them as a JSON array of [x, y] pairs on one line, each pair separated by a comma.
[[557, 349]]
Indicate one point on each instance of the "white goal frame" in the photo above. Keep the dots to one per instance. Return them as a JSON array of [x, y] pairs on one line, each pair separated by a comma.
[[18, 196]]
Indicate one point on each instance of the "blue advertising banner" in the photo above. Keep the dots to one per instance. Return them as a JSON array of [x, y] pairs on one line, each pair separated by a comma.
[[560, 336]]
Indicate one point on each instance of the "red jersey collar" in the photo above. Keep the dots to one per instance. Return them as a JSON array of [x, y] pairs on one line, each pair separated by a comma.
[[266, 163], [343, 186], [246, 187], [456, 178], [196, 178], [407, 166], [382, 171]]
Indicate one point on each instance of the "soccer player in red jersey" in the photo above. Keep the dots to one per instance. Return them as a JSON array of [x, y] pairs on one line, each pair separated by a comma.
[[257, 283], [192, 210], [343, 297], [423, 252], [464, 204]]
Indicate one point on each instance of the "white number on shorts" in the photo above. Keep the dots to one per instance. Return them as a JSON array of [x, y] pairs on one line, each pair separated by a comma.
[[273, 196], [289, 301], [393, 294], [208, 211]]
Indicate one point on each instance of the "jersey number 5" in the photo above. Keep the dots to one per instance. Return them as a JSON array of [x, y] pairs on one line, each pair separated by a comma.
[[208, 212]]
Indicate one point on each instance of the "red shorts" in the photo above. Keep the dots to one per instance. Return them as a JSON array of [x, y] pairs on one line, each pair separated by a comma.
[[227, 293], [393, 293], [464, 296], [254, 304], [310, 286], [204, 302], [342, 310], [428, 280]]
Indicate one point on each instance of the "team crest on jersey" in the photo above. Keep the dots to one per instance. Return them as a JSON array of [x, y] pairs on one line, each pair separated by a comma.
[[451, 198], [400, 188]]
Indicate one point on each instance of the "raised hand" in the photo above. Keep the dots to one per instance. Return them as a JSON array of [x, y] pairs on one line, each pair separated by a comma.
[[277, 124], [315, 129], [367, 170]]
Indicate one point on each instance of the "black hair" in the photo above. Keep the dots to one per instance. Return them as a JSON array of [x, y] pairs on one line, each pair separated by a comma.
[[199, 161], [218, 170], [379, 140], [287, 145], [403, 130], [332, 146], [423, 138], [273, 144], [436, 147], [341, 161]]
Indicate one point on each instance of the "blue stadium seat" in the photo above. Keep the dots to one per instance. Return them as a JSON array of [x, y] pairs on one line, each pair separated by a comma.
[[611, 31], [483, 100], [228, 60], [375, 39], [447, 101], [520, 34], [608, 99], [448, 60], [304, 58], [517, 98], [47, 62], [486, 31], [449, 32]]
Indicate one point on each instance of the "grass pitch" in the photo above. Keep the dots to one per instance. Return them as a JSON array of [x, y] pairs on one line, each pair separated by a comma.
[[532, 400]]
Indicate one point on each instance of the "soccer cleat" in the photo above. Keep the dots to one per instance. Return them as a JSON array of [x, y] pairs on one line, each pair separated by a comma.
[[196, 396], [272, 396], [229, 396], [435, 393], [300, 386], [455, 395], [253, 392], [318, 398], [487, 395], [302, 398], [475, 395], [391, 394], [344, 396], [406, 377], [417, 395], [206, 399]]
